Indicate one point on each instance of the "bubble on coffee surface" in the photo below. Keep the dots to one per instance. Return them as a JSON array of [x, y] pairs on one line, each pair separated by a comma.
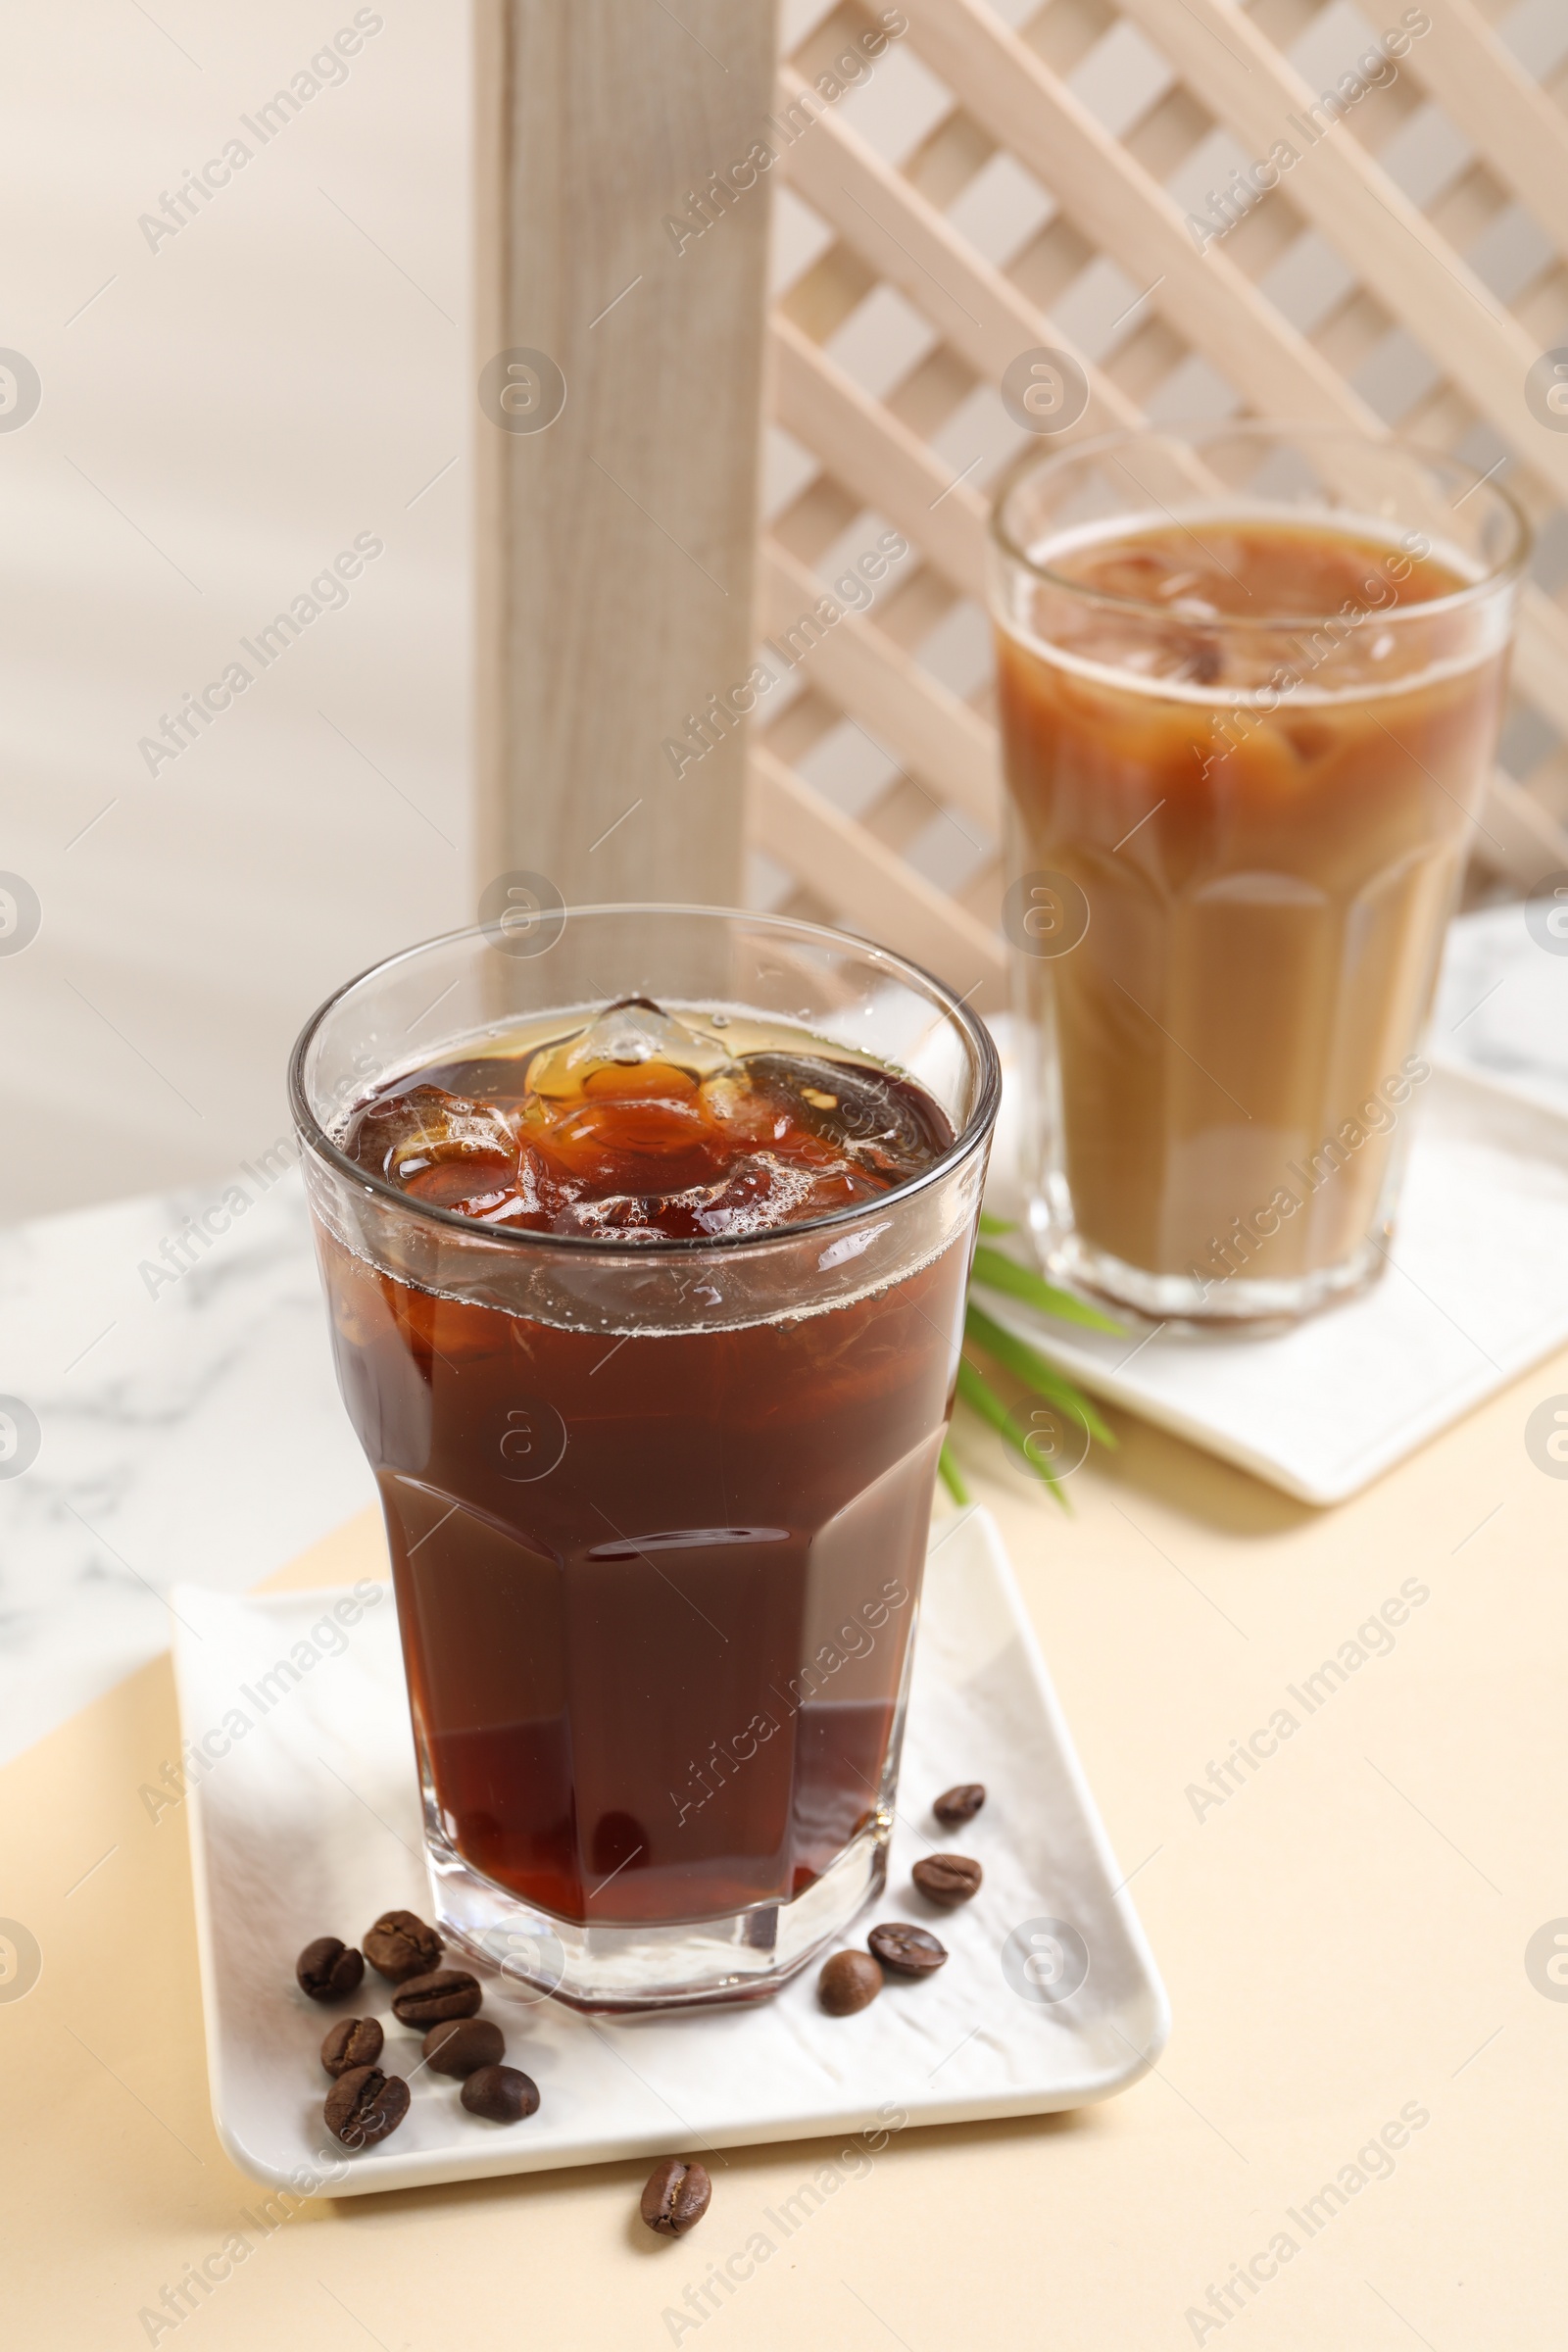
[[641, 1125]]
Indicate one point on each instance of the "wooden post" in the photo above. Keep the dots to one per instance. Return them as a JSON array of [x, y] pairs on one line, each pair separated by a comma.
[[621, 246]]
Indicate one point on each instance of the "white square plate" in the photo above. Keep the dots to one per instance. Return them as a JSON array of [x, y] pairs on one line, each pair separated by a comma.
[[309, 1826], [1475, 1292]]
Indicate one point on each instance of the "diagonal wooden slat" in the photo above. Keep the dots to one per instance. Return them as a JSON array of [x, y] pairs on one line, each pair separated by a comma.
[[1524, 841], [1481, 88], [1123, 210], [1341, 190], [980, 314], [1207, 298], [892, 468], [1541, 654], [935, 735], [869, 885]]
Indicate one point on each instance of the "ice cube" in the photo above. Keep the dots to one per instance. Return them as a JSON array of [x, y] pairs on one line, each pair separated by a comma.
[[1311, 739], [878, 1123], [627, 1034], [1200, 662], [440, 1148]]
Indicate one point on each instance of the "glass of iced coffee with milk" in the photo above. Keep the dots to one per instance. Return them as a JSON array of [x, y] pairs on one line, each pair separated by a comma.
[[1251, 683]]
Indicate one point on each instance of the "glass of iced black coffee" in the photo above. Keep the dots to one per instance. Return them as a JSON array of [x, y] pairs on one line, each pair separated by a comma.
[[1251, 681], [645, 1233]]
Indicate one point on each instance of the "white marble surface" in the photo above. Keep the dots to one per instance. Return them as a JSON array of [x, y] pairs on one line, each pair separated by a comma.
[[198, 1435], [192, 1434]]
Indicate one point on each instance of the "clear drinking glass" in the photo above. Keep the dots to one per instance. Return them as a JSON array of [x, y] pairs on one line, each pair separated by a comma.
[[1251, 682], [657, 1509]]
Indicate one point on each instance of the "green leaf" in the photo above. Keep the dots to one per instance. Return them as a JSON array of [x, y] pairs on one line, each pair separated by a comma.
[[974, 1391], [987, 1403], [1041, 1376], [990, 1224], [998, 1272], [952, 1475]]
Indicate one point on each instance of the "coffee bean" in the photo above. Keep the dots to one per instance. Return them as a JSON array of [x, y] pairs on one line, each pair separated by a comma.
[[352, 2041], [461, 2049], [947, 1878], [912, 1952], [847, 1982], [328, 1970], [428, 2000], [366, 2105], [952, 1807], [502, 2093], [677, 2196], [400, 1946]]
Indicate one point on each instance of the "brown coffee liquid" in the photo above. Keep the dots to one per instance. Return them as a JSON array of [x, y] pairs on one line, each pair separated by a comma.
[[656, 1589], [1267, 885]]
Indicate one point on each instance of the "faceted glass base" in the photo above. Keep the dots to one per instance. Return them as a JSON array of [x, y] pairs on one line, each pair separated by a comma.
[[742, 1956], [1181, 1301]]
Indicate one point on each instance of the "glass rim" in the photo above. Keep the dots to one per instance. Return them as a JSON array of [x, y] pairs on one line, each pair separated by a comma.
[[1031, 461], [970, 1137]]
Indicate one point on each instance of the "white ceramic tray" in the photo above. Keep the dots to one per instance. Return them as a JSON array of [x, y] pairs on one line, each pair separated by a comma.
[[309, 1826], [1475, 1292]]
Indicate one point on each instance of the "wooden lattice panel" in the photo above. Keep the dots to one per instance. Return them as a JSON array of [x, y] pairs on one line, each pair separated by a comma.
[[1008, 176]]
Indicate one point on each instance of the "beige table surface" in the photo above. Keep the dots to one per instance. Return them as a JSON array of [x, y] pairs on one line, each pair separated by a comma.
[[1343, 1939]]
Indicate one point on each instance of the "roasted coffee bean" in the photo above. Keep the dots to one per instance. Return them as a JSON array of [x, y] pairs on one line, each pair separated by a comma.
[[428, 2000], [461, 2049], [677, 2196], [847, 1982], [366, 2105], [947, 1878], [912, 1952], [400, 1946], [502, 2094], [952, 1806], [328, 1970], [352, 2041]]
